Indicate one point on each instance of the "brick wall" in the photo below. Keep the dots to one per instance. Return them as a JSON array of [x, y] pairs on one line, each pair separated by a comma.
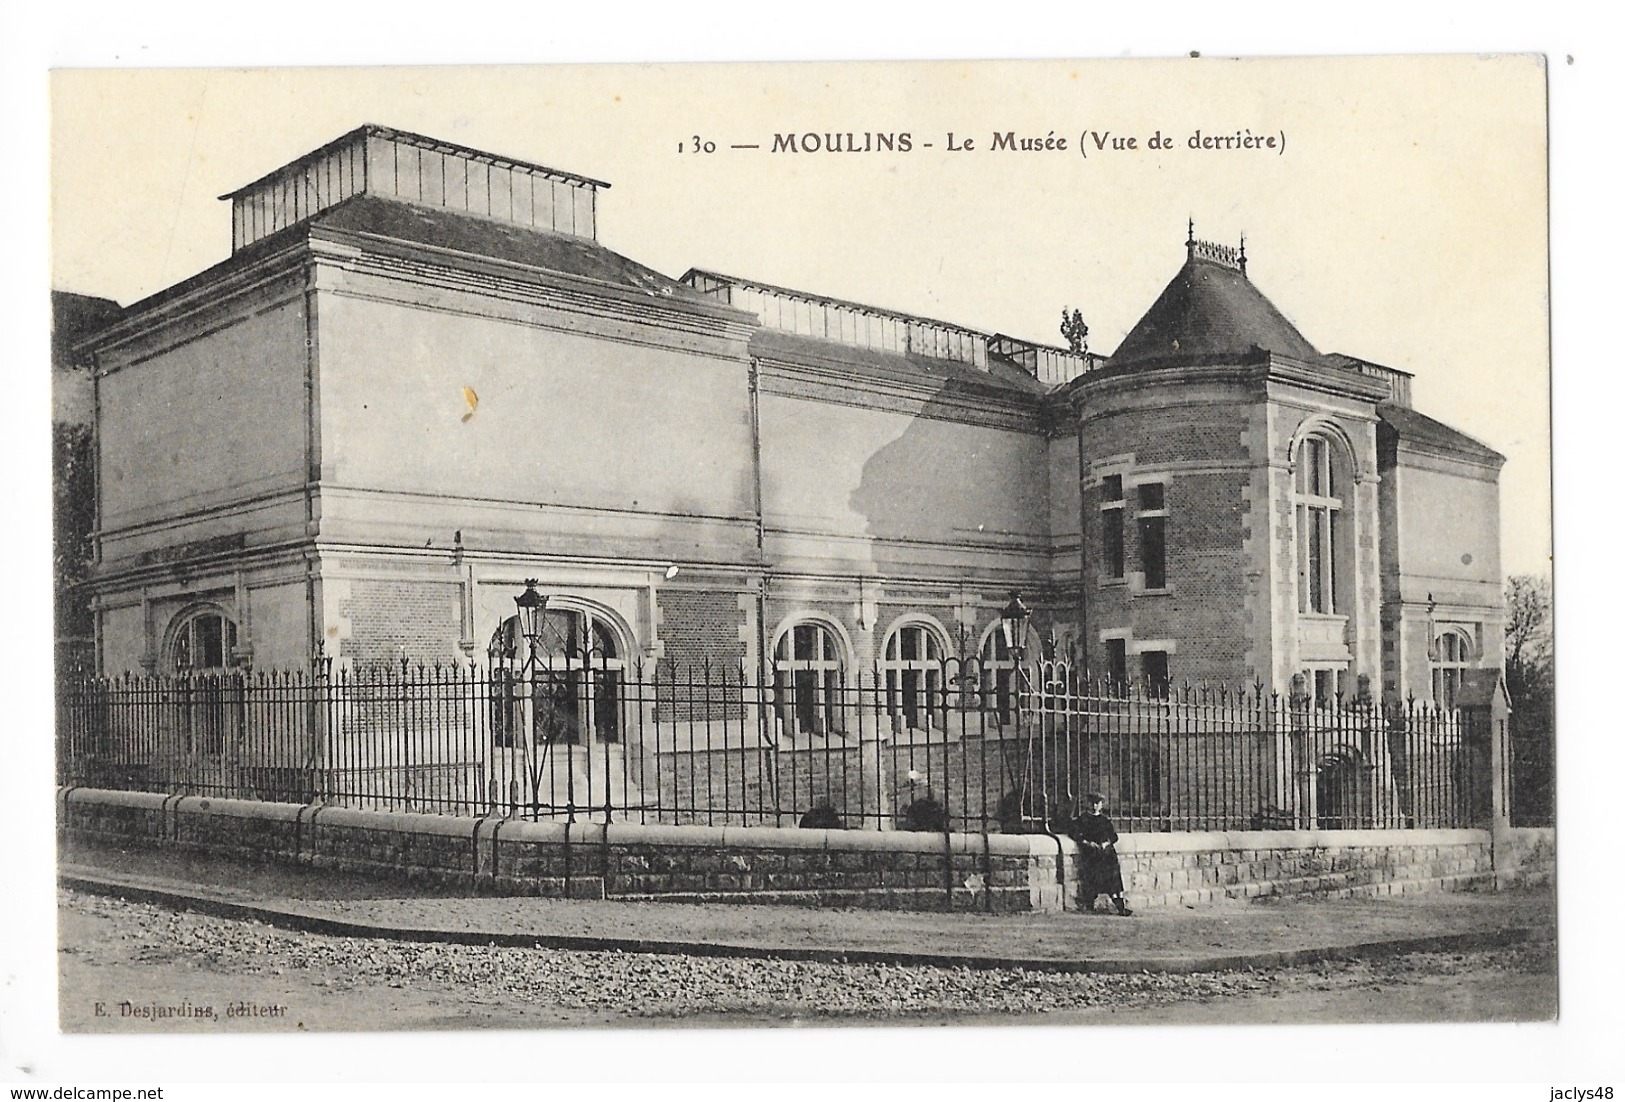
[[868, 786], [419, 620], [703, 652], [1203, 610], [698, 626]]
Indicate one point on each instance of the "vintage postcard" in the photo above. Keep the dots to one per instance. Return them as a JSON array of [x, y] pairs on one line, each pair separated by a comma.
[[966, 543]]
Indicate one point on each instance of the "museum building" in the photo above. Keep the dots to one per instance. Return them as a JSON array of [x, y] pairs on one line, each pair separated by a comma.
[[419, 380]]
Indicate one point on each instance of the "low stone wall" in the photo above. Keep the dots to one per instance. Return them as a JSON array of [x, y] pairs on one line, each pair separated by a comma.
[[894, 870], [883, 869], [1525, 857], [1198, 868]]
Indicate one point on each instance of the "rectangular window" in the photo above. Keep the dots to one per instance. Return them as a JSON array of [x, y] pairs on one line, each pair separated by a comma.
[[1326, 685], [1117, 664], [1111, 525], [1139, 786], [1153, 556], [1154, 668], [1153, 520], [1112, 536]]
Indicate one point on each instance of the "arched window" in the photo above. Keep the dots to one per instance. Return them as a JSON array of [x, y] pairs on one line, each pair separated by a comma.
[[998, 675], [202, 639], [1322, 541], [807, 673], [912, 670], [1451, 657], [576, 675], [202, 642]]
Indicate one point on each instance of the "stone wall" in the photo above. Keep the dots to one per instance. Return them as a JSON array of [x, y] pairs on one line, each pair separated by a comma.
[[889, 870], [1525, 856], [1201, 868], [882, 869]]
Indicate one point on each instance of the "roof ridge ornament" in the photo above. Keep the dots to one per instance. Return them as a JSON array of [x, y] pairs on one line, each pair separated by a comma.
[[1213, 252]]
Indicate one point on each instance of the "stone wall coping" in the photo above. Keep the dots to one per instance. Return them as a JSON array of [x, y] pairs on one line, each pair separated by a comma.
[[763, 837], [760, 837], [156, 801], [237, 809], [1526, 834], [1210, 841], [401, 822], [521, 830], [587, 833]]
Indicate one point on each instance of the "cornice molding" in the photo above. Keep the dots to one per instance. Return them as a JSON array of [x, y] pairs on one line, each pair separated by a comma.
[[1261, 369], [218, 290], [455, 270]]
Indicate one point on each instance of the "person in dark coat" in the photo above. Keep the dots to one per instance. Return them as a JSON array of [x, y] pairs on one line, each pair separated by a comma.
[[1098, 870]]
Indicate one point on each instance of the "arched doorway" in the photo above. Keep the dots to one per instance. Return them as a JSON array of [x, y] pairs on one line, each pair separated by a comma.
[[200, 651], [559, 716], [577, 677], [1342, 791]]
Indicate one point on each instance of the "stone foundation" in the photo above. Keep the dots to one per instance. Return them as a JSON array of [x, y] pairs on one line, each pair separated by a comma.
[[1201, 868], [890, 869], [852, 868], [1525, 857]]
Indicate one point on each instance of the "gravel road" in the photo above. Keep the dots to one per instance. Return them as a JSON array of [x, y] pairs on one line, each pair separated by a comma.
[[115, 951]]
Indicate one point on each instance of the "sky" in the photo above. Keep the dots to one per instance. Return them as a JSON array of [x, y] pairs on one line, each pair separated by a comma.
[[1400, 216]]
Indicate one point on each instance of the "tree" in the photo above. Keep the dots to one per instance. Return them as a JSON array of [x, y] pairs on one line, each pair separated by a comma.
[[73, 517], [1075, 331], [1531, 686]]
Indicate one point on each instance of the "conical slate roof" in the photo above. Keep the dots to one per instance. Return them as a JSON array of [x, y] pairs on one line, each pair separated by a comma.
[[1210, 311]]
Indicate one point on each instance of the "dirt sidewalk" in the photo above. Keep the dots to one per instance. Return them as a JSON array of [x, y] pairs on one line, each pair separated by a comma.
[[1234, 935]]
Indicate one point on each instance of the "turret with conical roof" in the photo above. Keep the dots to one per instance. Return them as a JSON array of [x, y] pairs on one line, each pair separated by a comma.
[[1193, 554], [1210, 312]]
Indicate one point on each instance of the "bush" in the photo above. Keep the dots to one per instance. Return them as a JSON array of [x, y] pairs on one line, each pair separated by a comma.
[[924, 813], [1022, 812], [822, 817]]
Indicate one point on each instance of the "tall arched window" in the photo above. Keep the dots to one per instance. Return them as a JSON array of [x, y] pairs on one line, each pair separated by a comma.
[[576, 673], [911, 667], [998, 675], [1452, 656], [808, 662], [202, 642], [1322, 542]]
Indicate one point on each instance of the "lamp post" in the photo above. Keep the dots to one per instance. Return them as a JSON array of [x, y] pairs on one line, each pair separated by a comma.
[[1014, 619], [532, 608]]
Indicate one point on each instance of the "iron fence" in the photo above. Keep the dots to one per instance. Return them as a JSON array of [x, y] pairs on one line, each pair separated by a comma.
[[919, 745]]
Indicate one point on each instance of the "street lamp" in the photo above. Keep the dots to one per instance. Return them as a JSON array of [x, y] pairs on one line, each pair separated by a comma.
[[532, 609], [537, 760], [1013, 620]]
